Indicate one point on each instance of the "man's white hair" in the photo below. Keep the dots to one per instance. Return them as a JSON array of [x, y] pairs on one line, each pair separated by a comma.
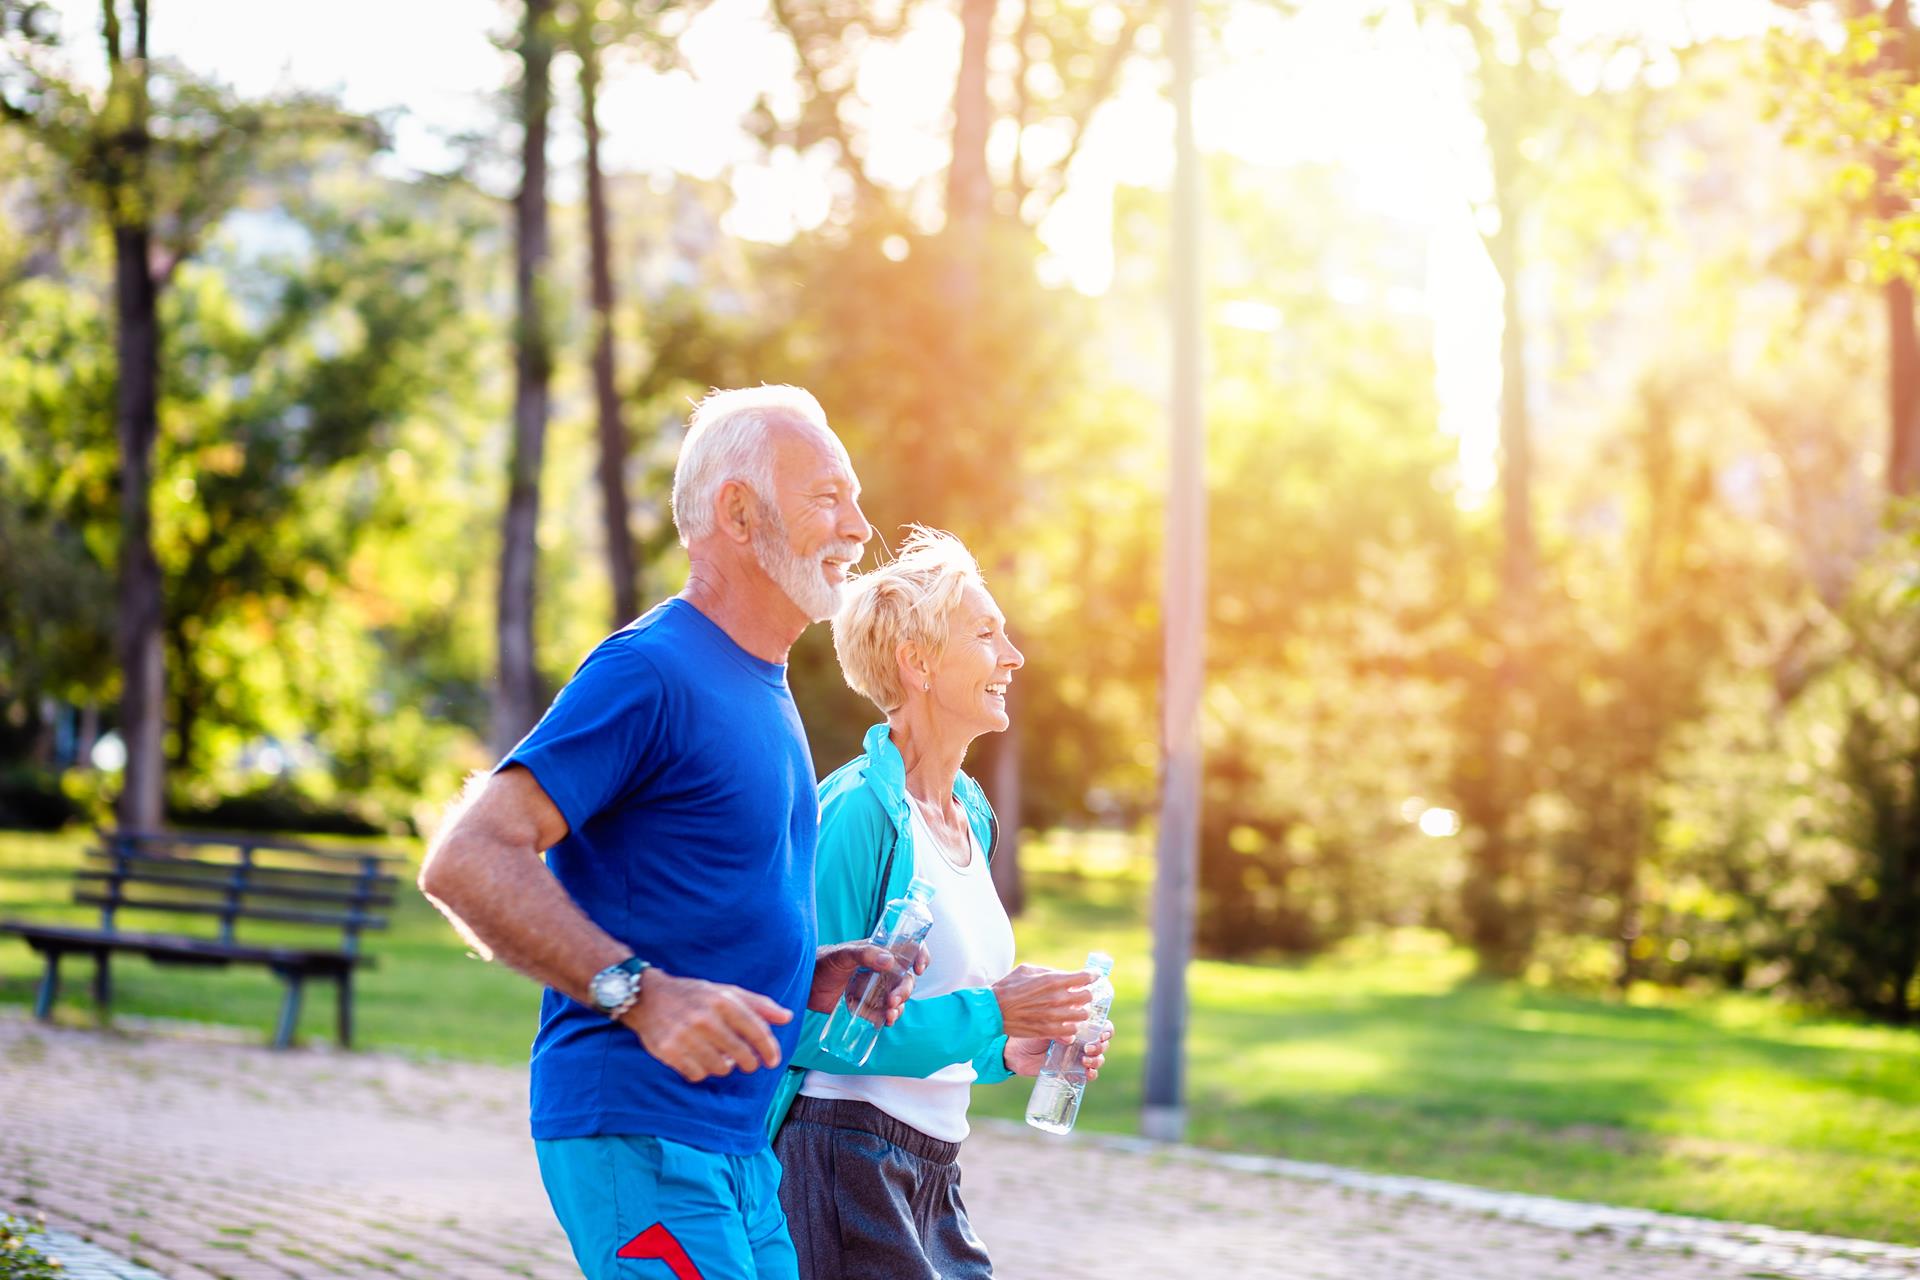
[[727, 440]]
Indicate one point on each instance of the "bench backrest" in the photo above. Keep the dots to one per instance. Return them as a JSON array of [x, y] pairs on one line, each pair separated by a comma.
[[235, 877]]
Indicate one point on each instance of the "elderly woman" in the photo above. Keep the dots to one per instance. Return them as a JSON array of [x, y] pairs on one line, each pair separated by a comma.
[[867, 1153]]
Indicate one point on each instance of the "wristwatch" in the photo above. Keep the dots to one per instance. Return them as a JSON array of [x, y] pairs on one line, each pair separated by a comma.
[[615, 988]]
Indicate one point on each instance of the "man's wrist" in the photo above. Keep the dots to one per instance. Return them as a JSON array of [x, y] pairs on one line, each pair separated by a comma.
[[615, 990]]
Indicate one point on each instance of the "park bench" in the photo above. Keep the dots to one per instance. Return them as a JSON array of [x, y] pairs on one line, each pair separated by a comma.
[[229, 878]]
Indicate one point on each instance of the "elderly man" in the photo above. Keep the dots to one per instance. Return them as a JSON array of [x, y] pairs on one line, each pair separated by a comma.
[[673, 921]]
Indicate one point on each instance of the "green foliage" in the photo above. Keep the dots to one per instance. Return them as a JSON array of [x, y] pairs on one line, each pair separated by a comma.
[[1861, 947], [1854, 100], [292, 370], [32, 800], [274, 807], [19, 1258]]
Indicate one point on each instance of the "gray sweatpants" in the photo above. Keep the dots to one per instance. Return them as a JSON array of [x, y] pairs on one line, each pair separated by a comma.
[[870, 1198]]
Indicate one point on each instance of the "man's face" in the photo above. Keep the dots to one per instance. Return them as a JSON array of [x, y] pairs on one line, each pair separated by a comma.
[[814, 531]]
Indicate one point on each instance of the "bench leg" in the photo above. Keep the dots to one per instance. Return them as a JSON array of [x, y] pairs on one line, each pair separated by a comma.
[[289, 1012], [344, 997], [49, 987], [103, 981]]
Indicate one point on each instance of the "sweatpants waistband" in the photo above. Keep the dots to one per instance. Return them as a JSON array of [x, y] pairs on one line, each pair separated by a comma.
[[844, 1113]]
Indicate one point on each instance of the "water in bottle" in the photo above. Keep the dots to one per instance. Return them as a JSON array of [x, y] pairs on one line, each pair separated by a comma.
[[1055, 1103], [854, 1028]]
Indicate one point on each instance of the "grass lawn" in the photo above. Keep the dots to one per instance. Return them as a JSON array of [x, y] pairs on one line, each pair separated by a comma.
[[1387, 1057]]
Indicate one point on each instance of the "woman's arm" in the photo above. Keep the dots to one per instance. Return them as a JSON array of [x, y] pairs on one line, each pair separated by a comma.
[[935, 1032]]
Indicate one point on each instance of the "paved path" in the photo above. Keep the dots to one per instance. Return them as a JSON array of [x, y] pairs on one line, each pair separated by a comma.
[[205, 1159]]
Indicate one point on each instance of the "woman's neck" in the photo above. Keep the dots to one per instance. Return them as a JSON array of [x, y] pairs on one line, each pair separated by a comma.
[[932, 759]]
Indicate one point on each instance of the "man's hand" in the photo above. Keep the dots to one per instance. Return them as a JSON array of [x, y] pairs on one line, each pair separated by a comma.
[[703, 1029], [1025, 1056], [1047, 1003], [833, 965]]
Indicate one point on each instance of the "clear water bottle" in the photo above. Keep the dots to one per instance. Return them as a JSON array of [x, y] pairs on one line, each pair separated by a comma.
[[854, 1028], [1055, 1103]]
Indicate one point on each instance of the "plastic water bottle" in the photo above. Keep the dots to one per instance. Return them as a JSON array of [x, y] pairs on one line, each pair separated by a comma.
[[854, 1028], [1055, 1103]]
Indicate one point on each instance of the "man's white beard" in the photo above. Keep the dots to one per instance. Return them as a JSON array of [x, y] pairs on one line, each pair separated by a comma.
[[803, 581]]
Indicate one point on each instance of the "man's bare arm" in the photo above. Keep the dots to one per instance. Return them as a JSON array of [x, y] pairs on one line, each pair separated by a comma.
[[485, 873]]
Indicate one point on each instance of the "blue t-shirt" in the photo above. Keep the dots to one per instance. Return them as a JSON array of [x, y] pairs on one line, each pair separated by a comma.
[[680, 764]]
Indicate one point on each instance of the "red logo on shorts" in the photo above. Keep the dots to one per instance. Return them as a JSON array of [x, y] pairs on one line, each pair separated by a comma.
[[658, 1242]]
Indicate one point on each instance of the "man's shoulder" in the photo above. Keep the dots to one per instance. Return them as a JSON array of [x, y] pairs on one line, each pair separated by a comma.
[[625, 656], [656, 642]]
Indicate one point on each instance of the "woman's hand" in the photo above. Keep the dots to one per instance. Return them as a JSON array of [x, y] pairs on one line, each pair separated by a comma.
[[1046, 1003], [1025, 1056]]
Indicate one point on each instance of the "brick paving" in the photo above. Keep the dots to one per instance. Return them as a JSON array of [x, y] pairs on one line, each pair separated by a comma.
[[208, 1159]]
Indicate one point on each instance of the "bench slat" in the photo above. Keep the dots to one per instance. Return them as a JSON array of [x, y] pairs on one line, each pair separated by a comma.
[[200, 950], [337, 919], [381, 880], [201, 839], [245, 888]]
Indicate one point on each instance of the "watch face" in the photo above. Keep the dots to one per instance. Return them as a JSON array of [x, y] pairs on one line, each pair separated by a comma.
[[610, 989]]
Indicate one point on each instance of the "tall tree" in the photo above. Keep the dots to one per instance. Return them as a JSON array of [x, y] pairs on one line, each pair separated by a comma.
[[610, 417], [1857, 100], [988, 213], [1529, 114], [1899, 61], [596, 28], [516, 697], [969, 186], [159, 190], [129, 210]]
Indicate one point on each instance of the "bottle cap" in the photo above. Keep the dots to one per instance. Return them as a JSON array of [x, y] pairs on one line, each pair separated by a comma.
[[921, 890], [1100, 962]]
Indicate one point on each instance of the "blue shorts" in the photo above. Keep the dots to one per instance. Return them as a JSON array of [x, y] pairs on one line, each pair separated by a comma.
[[639, 1208]]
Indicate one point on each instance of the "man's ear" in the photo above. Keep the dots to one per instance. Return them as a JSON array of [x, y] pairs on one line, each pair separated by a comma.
[[735, 510]]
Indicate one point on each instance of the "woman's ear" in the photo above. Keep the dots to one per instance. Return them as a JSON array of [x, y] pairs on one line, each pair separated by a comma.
[[914, 670]]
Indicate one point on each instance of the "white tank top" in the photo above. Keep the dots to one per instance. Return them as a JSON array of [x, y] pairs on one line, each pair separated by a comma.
[[970, 945]]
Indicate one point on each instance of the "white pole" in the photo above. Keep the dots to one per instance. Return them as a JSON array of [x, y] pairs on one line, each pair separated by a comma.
[[1184, 603]]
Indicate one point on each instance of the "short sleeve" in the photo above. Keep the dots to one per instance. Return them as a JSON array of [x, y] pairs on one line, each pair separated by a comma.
[[600, 741]]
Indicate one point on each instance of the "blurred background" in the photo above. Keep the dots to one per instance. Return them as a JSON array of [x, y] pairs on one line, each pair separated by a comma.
[[1562, 409]]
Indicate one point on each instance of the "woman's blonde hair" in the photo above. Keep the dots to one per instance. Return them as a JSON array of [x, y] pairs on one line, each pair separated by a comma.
[[908, 600]]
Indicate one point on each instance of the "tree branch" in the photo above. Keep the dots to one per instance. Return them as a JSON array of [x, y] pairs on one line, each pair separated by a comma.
[[1098, 91], [110, 29], [827, 100]]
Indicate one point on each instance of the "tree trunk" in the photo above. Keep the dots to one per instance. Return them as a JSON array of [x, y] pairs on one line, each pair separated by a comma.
[[1518, 555], [516, 693], [142, 661], [613, 427], [1903, 391], [87, 737], [43, 744], [137, 426], [1900, 52], [1494, 878], [969, 187]]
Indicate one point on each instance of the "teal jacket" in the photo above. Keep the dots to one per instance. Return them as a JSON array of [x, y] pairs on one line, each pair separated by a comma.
[[865, 858]]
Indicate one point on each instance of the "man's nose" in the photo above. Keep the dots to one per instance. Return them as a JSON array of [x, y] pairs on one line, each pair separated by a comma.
[[854, 526]]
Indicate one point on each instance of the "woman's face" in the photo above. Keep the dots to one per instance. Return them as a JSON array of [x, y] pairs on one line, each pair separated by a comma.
[[970, 684]]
